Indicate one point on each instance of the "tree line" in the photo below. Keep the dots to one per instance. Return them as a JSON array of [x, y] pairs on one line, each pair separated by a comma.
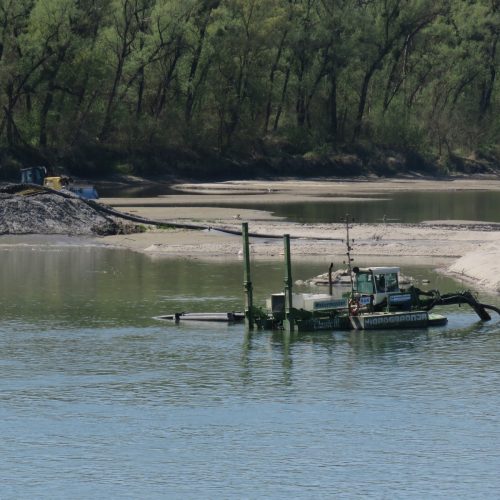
[[230, 75]]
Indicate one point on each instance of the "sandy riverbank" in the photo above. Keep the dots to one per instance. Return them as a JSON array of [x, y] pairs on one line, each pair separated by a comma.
[[435, 242], [288, 191]]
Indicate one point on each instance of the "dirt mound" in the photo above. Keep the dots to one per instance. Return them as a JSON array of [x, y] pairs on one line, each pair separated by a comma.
[[33, 210]]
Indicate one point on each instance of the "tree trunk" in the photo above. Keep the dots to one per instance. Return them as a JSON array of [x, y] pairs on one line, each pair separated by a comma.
[[489, 84], [106, 126], [188, 111], [127, 36], [333, 107], [362, 102], [49, 96], [47, 103], [271, 81], [140, 93], [282, 101], [165, 84]]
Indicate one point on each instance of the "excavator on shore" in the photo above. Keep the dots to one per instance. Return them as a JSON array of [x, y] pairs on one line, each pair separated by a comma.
[[39, 175]]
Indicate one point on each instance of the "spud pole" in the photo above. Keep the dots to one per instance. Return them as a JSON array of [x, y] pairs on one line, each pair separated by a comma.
[[247, 282], [289, 320]]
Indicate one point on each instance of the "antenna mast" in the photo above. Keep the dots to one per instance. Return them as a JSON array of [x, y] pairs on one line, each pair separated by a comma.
[[347, 221]]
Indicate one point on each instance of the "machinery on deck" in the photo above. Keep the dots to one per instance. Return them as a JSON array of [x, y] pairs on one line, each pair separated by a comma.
[[38, 175], [375, 301], [377, 289]]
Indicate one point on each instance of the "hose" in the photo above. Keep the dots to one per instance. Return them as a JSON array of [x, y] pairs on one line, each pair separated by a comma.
[[35, 189]]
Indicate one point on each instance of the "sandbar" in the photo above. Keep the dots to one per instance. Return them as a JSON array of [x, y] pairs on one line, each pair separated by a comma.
[[438, 243]]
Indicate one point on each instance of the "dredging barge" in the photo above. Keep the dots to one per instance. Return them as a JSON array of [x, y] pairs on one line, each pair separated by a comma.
[[375, 301]]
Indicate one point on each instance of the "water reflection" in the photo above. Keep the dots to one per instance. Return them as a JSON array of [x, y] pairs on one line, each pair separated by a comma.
[[393, 207], [95, 392], [403, 207], [374, 346]]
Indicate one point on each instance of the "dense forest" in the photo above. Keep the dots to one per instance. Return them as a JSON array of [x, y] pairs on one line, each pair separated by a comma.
[[143, 84]]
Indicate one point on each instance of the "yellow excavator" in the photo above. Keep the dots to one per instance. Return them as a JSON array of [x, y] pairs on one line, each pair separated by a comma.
[[38, 175]]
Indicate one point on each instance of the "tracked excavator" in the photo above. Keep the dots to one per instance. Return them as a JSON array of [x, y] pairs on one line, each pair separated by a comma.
[[39, 176]]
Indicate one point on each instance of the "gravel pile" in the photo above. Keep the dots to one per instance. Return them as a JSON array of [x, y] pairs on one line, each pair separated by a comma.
[[24, 210]]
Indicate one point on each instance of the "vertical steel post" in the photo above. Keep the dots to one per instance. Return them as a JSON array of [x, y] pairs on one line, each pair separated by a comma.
[[330, 283], [289, 319], [247, 282]]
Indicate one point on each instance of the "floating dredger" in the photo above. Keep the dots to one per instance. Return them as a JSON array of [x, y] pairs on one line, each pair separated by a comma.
[[375, 301]]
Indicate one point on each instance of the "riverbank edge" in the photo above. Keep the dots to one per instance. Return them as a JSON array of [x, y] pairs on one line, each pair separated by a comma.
[[447, 265], [210, 245], [103, 163], [297, 190]]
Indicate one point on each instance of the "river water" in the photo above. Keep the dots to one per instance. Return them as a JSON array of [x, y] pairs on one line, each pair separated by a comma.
[[405, 207], [408, 207], [100, 400]]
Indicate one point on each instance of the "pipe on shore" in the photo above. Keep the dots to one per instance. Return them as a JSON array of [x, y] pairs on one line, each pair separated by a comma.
[[34, 189]]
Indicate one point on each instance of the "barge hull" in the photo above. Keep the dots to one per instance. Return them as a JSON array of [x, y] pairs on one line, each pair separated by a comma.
[[384, 321]]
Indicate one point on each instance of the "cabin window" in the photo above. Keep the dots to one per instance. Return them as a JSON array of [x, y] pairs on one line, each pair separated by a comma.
[[387, 282], [364, 283]]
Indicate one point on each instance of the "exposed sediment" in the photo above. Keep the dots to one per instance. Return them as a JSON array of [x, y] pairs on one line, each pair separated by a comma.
[[28, 210], [435, 243], [476, 245]]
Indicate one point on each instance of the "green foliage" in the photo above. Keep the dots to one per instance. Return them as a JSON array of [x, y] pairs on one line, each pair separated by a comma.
[[124, 169], [224, 76]]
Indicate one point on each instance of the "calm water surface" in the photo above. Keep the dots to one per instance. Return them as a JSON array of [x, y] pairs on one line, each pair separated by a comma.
[[99, 400], [396, 207]]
